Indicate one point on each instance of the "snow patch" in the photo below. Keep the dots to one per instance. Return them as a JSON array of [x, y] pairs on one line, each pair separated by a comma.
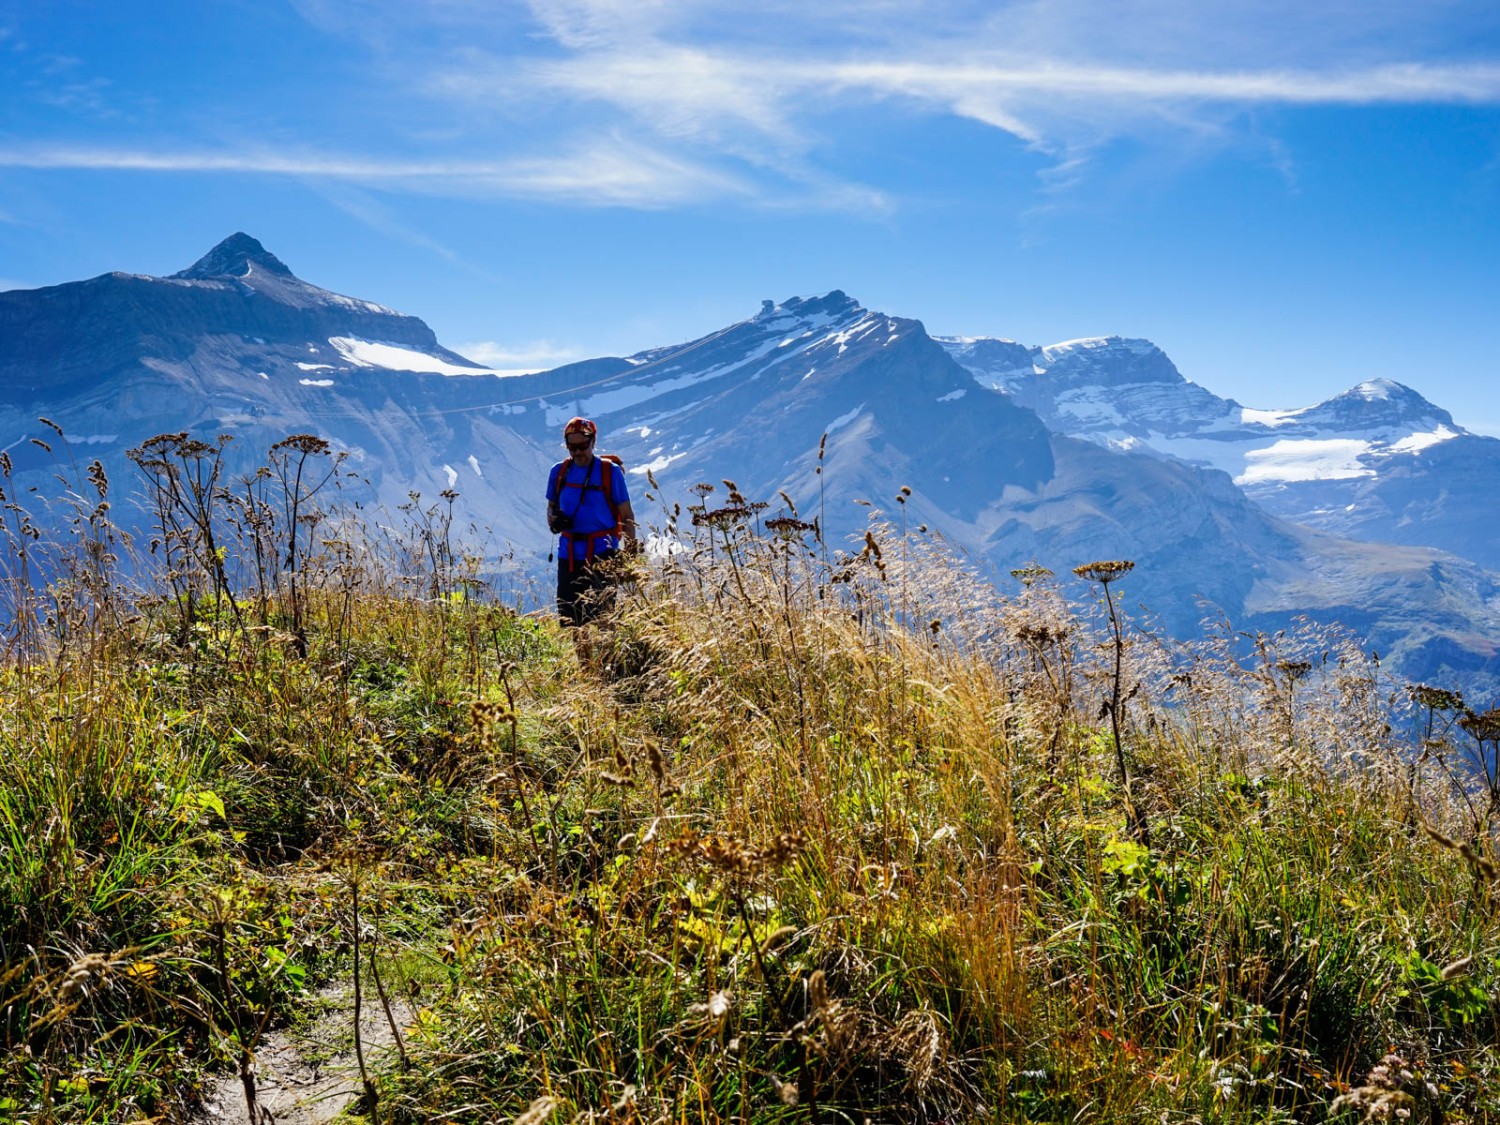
[[1415, 443], [1289, 460], [394, 357], [316, 382], [1267, 417], [954, 396], [474, 464], [656, 465], [844, 419], [316, 366], [452, 475]]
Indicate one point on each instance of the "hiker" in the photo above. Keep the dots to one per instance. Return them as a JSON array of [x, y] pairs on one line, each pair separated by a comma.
[[588, 506]]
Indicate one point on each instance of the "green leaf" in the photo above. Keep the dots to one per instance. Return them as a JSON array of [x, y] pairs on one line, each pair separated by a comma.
[[208, 799]]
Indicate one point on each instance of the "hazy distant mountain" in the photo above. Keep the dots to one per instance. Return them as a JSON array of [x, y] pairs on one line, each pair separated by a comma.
[[1377, 462], [237, 344]]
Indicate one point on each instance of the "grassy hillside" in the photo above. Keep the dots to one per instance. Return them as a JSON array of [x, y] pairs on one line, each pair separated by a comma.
[[796, 838]]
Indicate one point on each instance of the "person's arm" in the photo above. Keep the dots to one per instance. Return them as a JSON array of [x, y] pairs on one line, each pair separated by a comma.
[[553, 508], [627, 525]]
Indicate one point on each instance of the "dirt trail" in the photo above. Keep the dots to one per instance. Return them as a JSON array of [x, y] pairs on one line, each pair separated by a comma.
[[309, 1075]]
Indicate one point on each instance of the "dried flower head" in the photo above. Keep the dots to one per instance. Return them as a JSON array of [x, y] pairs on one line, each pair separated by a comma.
[[788, 527], [1030, 575], [1294, 669], [1104, 571], [1435, 698], [1485, 726], [721, 518], [301, 443]]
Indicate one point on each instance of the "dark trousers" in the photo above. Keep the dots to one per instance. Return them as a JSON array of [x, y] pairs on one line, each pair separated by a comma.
[[585, 588]]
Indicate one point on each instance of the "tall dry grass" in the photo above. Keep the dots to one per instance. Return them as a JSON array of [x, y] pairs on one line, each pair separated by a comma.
[[811, 835]]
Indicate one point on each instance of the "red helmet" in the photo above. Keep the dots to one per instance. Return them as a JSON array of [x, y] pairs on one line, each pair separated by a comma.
[[580, 426]]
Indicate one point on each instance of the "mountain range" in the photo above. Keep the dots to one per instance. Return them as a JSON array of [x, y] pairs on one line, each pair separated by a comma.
[[1367, 509], [1377, 462]]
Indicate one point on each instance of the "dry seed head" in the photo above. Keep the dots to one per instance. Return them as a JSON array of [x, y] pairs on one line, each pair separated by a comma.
[[1104, 571], [788, 527], [98, 478], [301, 443], [1484, 726], [79, 974], [786, 1092], [721, 518], [538, 1111], [658, 766], [817, 992], [777, 937], [1457, 968], [1435, 698]]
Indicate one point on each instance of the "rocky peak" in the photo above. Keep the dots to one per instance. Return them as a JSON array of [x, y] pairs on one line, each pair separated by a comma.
[[235, 257], [1376, 402], [836, 305], [1107, 361]]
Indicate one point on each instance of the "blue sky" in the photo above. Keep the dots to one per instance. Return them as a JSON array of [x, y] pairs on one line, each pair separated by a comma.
[[1287, 197]]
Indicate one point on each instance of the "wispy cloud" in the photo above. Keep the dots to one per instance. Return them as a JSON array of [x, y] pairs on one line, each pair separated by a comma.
[[754, 84], [609, 171], [650, 104]]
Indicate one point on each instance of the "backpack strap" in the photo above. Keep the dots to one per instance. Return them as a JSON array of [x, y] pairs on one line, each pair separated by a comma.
[[607, 465]]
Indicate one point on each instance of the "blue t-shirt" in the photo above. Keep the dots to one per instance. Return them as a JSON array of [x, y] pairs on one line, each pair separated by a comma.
[[582, 498]]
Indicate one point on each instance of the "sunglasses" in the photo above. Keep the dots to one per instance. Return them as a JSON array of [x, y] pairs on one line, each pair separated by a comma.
[[579, 445]]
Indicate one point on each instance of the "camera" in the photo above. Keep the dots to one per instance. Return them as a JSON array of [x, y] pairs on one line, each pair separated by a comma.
[[560, 522]]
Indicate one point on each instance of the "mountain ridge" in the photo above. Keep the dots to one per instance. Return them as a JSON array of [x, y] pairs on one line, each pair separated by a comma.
[[817, 397]]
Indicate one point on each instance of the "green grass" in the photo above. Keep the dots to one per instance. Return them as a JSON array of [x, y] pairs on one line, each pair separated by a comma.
[[773, 856]]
